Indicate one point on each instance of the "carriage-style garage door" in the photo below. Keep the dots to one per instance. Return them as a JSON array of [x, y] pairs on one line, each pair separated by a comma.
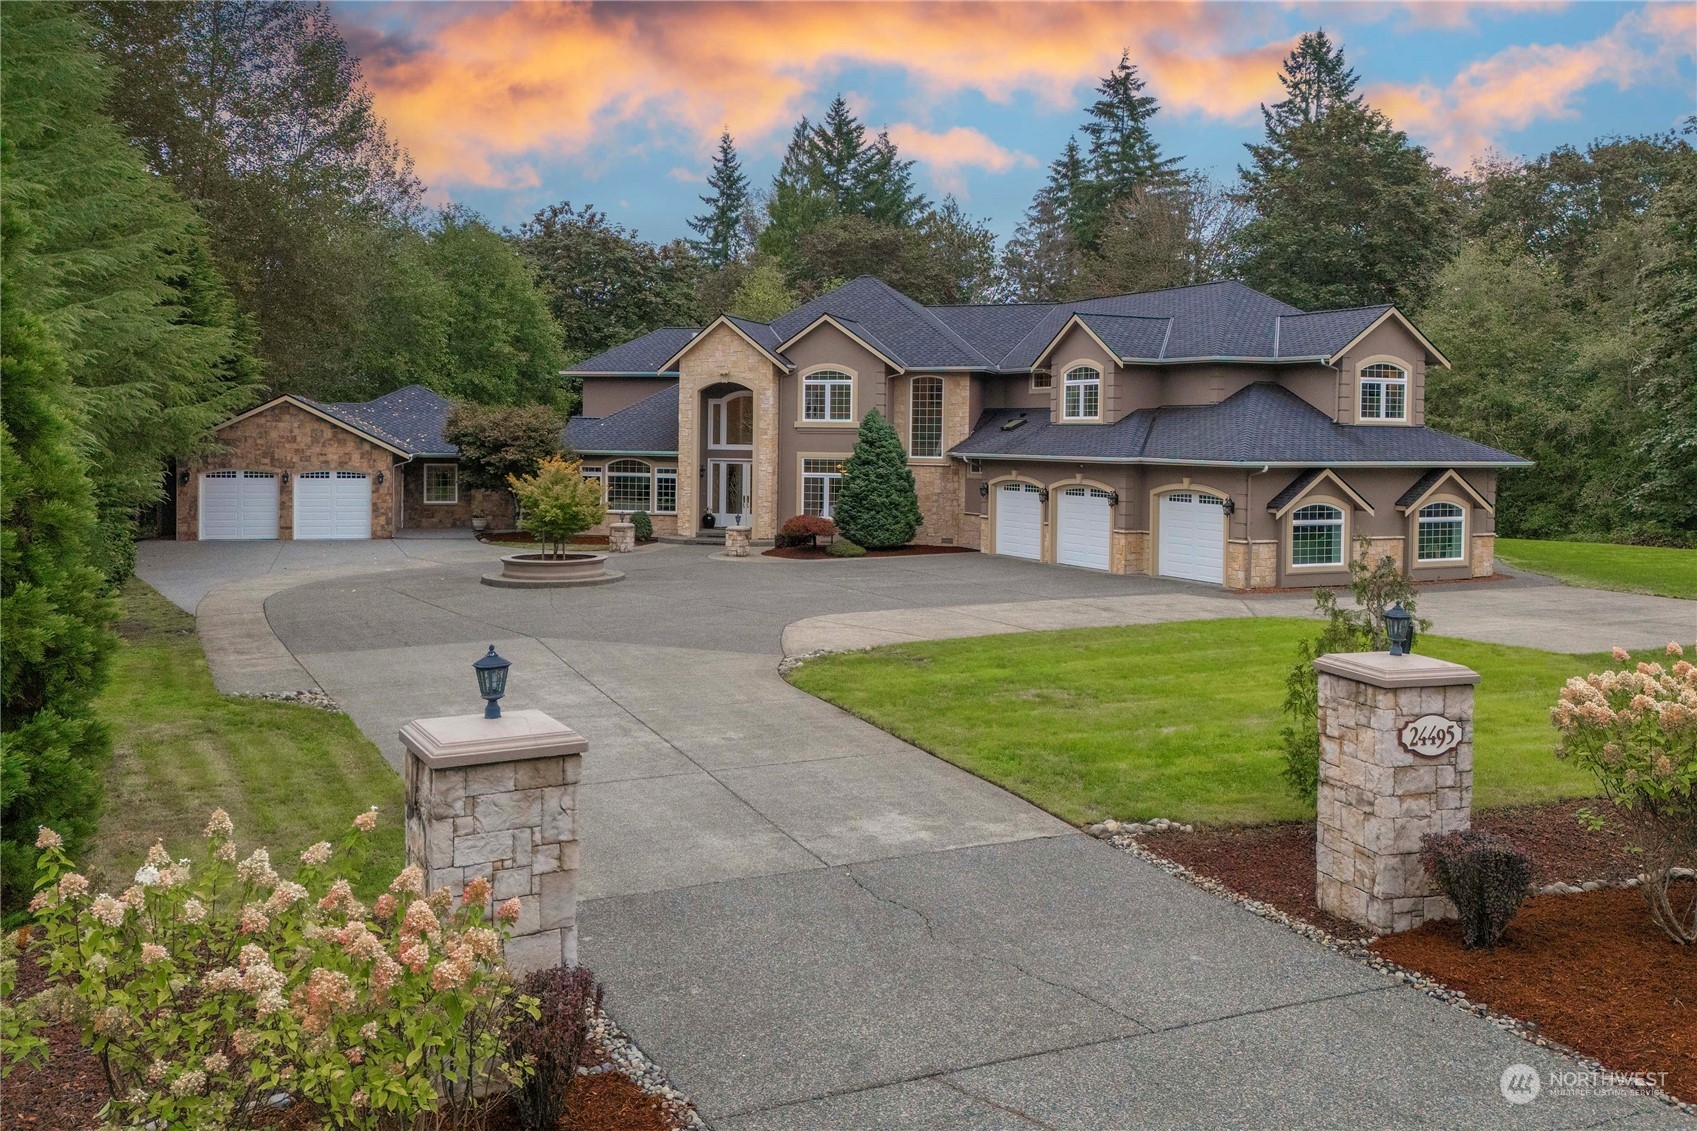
[[1019, 520], [1193, 536], [333, 504], [1082, 522], [238, 504]]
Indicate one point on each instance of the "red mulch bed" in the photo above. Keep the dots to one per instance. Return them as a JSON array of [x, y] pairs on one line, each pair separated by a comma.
[[818, 554], [1275, 863], [68, 1093], [1590, 970], [526, 538]]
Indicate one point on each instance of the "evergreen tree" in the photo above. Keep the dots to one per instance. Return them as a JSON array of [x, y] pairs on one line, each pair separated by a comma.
[[883, 189], [878, 507], [839, 150], [1124, 157], [723, 228], [1041, 260], [55, 614], [1316, 80], [797, 201], [1347, 213]]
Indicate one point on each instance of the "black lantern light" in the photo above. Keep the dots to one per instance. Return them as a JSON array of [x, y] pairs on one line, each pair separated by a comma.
[[983, 490], [1043, 495], [1113, 498], [492, 681], [1399, 626]]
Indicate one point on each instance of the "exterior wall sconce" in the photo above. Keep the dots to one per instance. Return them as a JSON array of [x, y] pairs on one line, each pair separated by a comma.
[[285, 479], [983, 490], [1113, 498], [1230, 507], [183, 478], [1043, 495], [380, 478]]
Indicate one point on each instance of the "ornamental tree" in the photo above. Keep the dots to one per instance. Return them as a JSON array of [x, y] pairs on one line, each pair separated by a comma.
[[558, 502], [1636, 731], [878, 507]]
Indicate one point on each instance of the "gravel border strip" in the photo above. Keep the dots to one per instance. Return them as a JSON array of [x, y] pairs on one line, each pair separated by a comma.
[[314, 697], [624, 1056], [1357, 949]]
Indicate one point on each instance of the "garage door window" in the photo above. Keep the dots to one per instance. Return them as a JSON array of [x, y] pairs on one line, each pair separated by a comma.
[[1316, 536], [441, 483], [1440, 534]]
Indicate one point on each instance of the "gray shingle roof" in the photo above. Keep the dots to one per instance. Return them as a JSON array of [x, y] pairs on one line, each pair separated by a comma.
[[642, 355], [649, 426], [1260, 424], [1211, 320], [409, 418], [1297, 486]]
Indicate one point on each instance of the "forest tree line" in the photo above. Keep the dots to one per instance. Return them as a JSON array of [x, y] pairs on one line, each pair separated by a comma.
[[200, 207]]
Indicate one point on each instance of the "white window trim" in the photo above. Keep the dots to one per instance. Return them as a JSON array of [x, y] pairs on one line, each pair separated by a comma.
[[1339, 505], [428, 501], [803, 475], [671, 473], [1406, 381], [607, 486], [1466, 530], [942, 415], [827, 421], [1067, 383], [717, 415]]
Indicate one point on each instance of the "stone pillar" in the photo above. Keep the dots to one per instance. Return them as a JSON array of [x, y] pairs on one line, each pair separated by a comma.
[[1396, 762], [736, 541], [621, 537], [498, 798]]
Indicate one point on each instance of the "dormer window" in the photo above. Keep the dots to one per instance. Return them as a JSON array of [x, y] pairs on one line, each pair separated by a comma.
[[1384, 392], [1083, 395], [827, 395]]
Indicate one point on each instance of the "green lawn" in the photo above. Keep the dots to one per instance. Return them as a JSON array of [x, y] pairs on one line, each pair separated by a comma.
[[288, 775], [1174, 720], [1598, 565]]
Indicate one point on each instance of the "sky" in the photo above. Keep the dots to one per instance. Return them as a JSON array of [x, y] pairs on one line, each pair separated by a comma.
[[511, 107]]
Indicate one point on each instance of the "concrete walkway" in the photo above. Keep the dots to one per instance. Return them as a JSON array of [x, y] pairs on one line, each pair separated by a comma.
[[813, 925]]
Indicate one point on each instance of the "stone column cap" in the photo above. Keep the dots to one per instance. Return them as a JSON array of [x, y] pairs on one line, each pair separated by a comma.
[[472, 740], [616, 525], [1381, 669]]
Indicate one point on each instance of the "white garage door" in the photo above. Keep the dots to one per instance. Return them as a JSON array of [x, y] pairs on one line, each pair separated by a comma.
[[1019, 520], [238, 504], [1082, 522], [333, 504], [1193, 536]]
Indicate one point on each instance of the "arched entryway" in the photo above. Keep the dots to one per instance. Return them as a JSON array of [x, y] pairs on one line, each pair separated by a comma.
[[727, 468]]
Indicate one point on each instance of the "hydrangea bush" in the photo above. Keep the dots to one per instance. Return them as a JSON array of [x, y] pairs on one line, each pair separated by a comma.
[[1636, 730], [212, 984]]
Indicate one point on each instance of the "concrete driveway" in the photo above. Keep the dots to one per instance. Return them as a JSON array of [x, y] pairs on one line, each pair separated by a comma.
[[813, 925]]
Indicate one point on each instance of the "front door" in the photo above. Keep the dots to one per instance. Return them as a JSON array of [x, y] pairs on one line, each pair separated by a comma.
[[729, 487]]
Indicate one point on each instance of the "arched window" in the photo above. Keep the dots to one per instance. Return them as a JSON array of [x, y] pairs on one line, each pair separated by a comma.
[[1316, 535], [730, 421], [827, 395], [1083, 398], [925, 418], [630, 485], [1384, 392], [1441, 533]]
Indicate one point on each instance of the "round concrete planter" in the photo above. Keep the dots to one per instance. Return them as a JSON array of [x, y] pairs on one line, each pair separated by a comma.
[[552, 571]]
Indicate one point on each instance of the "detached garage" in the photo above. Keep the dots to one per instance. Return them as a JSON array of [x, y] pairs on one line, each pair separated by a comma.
[[293, 468]]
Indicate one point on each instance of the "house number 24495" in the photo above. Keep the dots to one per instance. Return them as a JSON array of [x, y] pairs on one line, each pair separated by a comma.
[[1430, 736]]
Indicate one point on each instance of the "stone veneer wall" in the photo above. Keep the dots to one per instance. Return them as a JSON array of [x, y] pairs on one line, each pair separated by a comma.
[[1376, 800], [1379, 547], [1128, 551], [722, 355], [288, 438], [515, 824], [1263, 565], [1484, 556], [496, 506]]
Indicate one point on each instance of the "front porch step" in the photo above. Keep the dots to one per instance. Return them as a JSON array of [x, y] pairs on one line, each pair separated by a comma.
[[701, 538]]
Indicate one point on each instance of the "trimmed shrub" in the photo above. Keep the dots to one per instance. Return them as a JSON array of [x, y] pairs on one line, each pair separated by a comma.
[[843, 548], [804, 530], [878, 506], [1485, 876], [552, 1042], [644, 526]]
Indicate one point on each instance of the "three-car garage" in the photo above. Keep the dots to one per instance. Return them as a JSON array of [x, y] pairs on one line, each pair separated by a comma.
[[1188, 540]]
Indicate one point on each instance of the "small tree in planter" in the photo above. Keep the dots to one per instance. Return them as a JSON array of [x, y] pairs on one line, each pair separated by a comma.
[[557, 502], [878, 507], [497, 442], [1636, 731]]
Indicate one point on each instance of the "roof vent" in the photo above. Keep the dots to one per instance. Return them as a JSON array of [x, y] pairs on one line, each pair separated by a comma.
[[1010, 425]]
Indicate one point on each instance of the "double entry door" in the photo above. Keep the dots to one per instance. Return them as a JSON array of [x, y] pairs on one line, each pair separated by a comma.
[[730, 491]]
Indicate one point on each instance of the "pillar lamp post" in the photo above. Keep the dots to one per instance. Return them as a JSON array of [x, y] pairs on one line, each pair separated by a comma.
[[1399, 627], [492, 681]]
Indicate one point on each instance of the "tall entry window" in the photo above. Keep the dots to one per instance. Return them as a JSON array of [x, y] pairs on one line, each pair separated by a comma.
[[730, 421], [821, 479], [827, 395], [925, 418]]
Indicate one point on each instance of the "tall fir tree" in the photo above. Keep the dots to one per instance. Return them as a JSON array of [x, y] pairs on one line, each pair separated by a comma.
[[883, 187], [878, 507], [1348, 211], [839, 150], [1316, 81], [1041, 260], [1124, 157], [797, 201], [723, 228]]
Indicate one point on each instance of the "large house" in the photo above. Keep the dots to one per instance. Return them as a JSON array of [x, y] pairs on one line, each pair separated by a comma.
[[1210, 433]]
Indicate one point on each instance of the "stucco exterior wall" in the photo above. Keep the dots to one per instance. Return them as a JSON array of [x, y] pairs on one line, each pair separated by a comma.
[[603, 396], [287, 438], [1390, 341]]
